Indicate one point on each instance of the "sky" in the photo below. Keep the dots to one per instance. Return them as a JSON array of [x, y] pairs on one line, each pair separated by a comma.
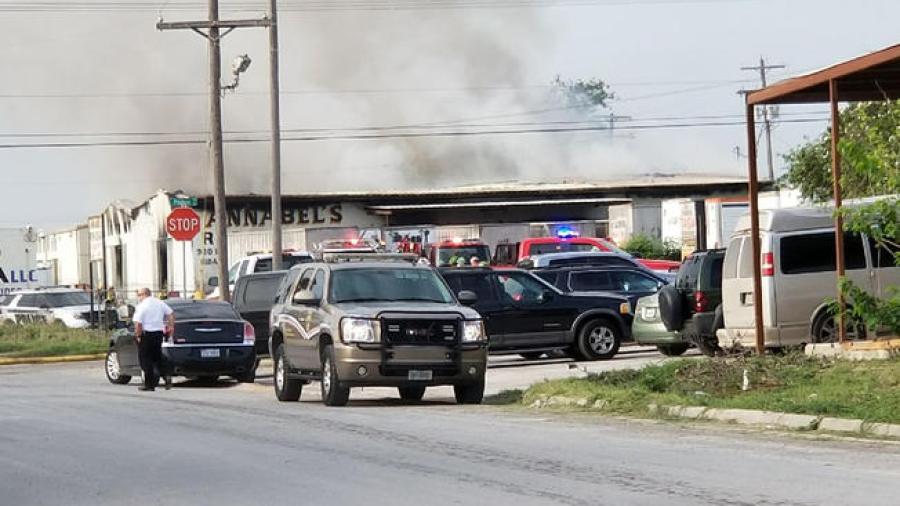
[[436, 76]]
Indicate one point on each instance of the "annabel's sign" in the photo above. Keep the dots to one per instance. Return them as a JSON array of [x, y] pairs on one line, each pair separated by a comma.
[[260, 214]]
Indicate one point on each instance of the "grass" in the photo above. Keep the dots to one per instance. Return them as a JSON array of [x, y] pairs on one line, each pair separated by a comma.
[[793, 383], [49, 340]]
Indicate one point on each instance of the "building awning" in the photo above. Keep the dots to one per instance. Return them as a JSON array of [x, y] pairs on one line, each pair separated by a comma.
[[872, 77], [489, 203]]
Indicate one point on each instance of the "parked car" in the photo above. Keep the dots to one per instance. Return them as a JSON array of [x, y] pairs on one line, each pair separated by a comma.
[[256, 262], [525, 315], [375, 320], [798, 278], [63, 306], [210, 340], [691, 305], [253, 298], [569, 242], [630, 282], [648, 328]]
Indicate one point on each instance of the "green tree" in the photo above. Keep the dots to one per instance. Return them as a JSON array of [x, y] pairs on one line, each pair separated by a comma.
[[870, 155], [585, 94]]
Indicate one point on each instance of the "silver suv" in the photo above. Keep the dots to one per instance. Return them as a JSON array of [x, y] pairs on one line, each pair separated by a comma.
[[367, 319]]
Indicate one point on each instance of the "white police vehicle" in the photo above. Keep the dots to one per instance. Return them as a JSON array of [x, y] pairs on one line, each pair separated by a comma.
[[66, 306]]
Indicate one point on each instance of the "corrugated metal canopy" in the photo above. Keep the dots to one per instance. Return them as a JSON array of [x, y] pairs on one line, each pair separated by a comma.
[[873, 77]]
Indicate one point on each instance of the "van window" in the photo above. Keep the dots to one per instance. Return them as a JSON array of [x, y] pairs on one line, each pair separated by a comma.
[[729, 270], [745, 268], [806, 253]]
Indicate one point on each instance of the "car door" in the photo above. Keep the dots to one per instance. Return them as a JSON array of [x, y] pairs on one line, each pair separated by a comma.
[[311, 319], [488, 305], [291, 321], [127, 351], [529, 318]]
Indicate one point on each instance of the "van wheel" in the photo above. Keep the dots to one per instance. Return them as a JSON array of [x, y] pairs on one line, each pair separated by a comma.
[[673, 350], [469, 394], [824, 330], [598, 340], [412, 392], [333, 393], [286, 389]]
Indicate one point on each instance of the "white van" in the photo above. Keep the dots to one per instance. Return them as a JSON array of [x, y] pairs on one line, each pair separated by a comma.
[[798, 277]]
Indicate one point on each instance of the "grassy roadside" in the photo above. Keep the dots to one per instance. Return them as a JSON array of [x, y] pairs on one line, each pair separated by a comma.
[[48, 340], [869, 390]]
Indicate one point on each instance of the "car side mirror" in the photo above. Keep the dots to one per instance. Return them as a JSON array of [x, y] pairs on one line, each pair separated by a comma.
[[467, 297], [305, 298], [213, 281], [546, 296]]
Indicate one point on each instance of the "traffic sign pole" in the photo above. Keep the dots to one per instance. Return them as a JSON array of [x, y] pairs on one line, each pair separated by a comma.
[[183, 224]]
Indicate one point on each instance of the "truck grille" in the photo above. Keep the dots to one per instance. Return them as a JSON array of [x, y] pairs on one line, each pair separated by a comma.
[[429, 332]]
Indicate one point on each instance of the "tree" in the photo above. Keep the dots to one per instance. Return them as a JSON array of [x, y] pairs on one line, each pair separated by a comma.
[[585, 94], [870, 155]]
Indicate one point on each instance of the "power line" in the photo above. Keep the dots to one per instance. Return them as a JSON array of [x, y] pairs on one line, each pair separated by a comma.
[[398, 135]]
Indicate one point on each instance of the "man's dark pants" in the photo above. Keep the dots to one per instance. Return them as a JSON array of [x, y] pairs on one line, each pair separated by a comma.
[[150, 356]]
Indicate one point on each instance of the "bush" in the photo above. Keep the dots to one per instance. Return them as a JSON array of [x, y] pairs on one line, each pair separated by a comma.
[[644, 246]]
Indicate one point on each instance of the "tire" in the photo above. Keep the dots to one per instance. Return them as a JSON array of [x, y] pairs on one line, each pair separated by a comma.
[[673, 350], [671, 308], [112, 369], [532, 355], [412, 392], [286, 389], [469, 394], [824, 329], [333, 393], [598, 339]]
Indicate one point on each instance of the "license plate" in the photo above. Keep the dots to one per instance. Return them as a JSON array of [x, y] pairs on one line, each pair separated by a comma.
[[649, 313], [420, 375], [210, 353]]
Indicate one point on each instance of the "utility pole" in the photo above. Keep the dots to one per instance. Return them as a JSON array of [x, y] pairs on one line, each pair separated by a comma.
[[613, 118], [214, 36], [275, 118], [767, 125]]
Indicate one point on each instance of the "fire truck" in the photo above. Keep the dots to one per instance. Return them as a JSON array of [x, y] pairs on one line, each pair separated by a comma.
[[447, 253]]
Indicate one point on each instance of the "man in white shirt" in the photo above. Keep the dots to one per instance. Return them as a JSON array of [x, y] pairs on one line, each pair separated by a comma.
[[153, 319]]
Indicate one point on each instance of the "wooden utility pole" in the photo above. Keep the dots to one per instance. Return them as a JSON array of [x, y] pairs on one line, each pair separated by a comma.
[[767, 125], [275, 118], [216, 159]]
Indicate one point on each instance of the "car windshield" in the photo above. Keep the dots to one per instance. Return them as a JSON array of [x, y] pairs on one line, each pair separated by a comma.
[[388, 284], [449, 255], [287, 261], [67, 299], [202, 310], [561, 247]]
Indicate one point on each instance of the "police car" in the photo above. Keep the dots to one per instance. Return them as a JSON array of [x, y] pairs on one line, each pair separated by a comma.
[[65, 306]]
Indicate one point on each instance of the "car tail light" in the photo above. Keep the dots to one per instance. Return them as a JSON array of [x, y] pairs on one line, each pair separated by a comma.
[[249, 333], [768, 264], [700, 302]]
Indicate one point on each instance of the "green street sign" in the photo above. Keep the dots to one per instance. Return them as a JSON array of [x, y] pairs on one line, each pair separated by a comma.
[[183, 201]]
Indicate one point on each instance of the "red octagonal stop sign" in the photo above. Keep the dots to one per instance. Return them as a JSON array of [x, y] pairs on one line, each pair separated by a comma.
[[183, 224]]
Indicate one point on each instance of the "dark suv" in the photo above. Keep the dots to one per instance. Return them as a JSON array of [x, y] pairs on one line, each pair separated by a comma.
[[365, 319], [693, 304], [524, 314]]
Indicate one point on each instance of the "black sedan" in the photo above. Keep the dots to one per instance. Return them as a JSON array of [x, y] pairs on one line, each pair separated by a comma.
[[210, 340]]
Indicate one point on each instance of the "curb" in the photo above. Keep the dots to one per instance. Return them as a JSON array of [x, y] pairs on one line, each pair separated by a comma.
[[50, 360], [753, 417]]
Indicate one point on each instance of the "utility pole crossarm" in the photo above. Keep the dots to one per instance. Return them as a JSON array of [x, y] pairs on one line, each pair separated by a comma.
[[197, 25]]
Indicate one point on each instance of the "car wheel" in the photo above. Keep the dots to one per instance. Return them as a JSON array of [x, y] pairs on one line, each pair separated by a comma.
[[673, 350], [286, 389], [824, 330], [599, 340], [469, 394], [532, 355], [333, 393], [113, 372], [412, 392]]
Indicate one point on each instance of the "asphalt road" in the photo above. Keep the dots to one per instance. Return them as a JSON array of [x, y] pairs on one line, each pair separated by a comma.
[[69, 437]]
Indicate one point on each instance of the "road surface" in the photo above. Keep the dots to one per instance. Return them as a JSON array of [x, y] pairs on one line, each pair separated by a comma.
[[69, 437]]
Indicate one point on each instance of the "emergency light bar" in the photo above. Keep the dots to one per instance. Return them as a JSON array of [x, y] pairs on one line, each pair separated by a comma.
[[341, 257]]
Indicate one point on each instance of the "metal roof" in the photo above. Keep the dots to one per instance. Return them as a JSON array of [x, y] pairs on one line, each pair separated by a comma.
[[875, 76]]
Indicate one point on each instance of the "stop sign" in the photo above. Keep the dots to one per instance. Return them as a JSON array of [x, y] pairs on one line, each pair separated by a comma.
[[183, 224]]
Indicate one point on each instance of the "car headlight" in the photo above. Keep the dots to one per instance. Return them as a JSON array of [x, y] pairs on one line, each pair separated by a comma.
[[625, 308], [359, 330], [473, 331]]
